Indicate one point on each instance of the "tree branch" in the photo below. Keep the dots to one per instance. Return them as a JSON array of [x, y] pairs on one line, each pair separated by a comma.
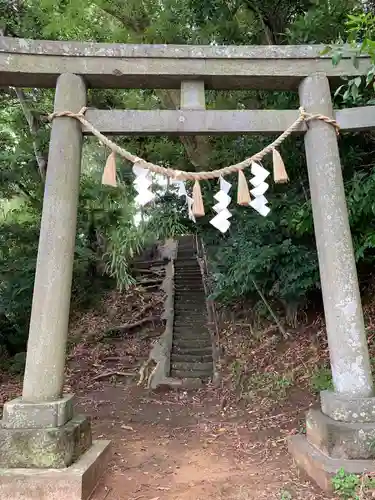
[[198, 148], [116, 10], [33, 128], [267, 30]]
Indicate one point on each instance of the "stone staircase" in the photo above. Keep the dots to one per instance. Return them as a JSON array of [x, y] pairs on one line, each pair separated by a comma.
[[191, 356]]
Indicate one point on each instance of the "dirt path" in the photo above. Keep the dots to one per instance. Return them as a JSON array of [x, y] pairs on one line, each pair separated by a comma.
[[182, 446], [188, 446]]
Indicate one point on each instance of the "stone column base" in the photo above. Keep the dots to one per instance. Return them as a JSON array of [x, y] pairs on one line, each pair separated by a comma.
[[76, 482], [341, 437], [321, 468], [47, 453]]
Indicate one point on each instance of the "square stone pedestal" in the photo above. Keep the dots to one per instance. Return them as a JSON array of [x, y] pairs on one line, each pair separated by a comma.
[[321, 468], [343, 437], [76, 482], [47, 453]]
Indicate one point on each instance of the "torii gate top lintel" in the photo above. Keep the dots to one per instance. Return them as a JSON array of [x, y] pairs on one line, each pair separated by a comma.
[[38, 63]]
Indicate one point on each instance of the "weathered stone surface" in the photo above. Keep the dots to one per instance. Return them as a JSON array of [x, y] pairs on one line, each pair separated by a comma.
[[168, 51], [215, 122], [24, 63], [76, 482], [192, 95], [46, 448], [320, 467], [347, 409], [347, 342], [340, 439], [45, 361], [23, 415]]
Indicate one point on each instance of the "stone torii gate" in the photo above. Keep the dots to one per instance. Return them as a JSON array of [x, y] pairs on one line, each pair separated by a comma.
[[46, 451]]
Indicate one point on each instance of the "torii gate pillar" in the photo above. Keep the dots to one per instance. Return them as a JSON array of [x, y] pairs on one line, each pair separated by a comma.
[[342, 433], [46, 452]]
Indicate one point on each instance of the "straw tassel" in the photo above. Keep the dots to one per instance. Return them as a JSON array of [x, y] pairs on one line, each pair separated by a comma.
[[109, 172], [243, 193], [198, 207], [279, 173]]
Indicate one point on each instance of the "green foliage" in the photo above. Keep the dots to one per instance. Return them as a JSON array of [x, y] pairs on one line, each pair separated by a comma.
[[351, 486], [285, 495], [321, 23], [359, 35], [269, 252], [345, 485], [321, 380]]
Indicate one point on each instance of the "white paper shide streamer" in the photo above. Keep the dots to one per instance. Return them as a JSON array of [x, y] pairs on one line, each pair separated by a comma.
[[142, 182], [259, 203], [220, 221], [189, 200]]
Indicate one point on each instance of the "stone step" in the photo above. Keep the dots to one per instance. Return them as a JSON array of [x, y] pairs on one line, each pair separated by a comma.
[[197, 314], [195, 292], [189, 297], [186, 263], [188, 313], [191, 311], [189, 319], [189, 288], [189, 285], [193, 351], [191, 328], [189, 279], [187, 343], [192, 358], [190, 301], [187, 267], [189, 306], [192, 339], [194, 374], [186, 308], [189, 366], [183, 272], [190, 324], [191, 331]]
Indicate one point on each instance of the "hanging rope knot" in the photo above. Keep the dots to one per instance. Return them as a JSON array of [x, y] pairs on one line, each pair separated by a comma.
[[307, 117], [69, 114], [302, 112], [178, 175]]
